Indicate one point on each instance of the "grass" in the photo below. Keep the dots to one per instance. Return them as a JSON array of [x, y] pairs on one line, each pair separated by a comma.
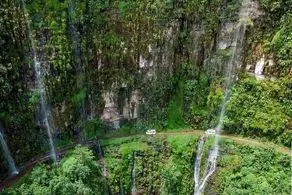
[[63, 142], [94, 129], [181, 138], [178, 129], [175, 110], [126, 129], [127, 148], [118, 141]]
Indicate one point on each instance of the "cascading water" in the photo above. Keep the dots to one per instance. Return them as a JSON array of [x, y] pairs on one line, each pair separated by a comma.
[[235, 51], [121, 190], [134, 189], [12, 167], [100, 156], [104, 169], [79, 68], [259, 68], [211, 167], [45, 113], [198, 162], [99, 150]]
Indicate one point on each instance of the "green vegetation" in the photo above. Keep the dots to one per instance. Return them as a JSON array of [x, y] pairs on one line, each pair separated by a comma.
[[250, 170], [272, 36], [179, 167], [164, 165], [78, 173], [261, 108], [175, 109], [92, 46], [93, 128]]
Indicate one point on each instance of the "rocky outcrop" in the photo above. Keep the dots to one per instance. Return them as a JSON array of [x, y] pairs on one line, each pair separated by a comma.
[[111, 116], [131, 107]]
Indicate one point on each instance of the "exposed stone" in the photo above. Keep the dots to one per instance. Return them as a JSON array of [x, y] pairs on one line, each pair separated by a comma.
[[110, 116], [142, 62], [259, 66], [131, 107]]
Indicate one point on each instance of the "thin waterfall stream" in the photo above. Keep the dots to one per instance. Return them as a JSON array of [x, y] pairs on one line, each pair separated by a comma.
[[236, 50], [79, 68], [145, 97], [45, 113], [103, 165], [134, 189], [198, 162], [12, 167]]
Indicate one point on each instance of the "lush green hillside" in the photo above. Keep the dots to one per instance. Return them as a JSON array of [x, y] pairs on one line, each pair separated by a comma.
[[163, 165], [77, 70]]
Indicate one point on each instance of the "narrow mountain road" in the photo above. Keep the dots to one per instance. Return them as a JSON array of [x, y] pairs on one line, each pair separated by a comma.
[[62, 151], [238, 139], [23, 170], [247, 141]]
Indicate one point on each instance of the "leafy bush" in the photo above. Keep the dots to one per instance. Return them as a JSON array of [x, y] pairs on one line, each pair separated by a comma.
[[79, 97], [281, 46], [163, 165], [156, 96], [175, 109], [249, 170], [259, 108], [93, 128], [78, 173]]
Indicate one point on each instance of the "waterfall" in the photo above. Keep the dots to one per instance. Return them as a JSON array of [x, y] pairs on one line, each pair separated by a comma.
[[231, 66], [12, 168], [100, 156], [99, 150], [259, 67], [45, 113], [198, 162], [211, 167], [121, 190], [104, 169], [79, 68], [134, 189]]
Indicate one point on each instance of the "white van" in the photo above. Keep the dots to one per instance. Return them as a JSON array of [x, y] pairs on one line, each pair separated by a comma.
[[211, 132], [151, 132]]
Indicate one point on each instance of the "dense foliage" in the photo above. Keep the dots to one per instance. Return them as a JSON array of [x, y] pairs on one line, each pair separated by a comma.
[[271, 35], [17, 102], [157, 164], [261, 108], [78, 173], [89, 47], [163, 165], [249, 170], [279, 13]]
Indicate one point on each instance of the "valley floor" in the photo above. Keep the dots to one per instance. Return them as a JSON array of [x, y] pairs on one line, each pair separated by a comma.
[[112, 136], [238, 139]]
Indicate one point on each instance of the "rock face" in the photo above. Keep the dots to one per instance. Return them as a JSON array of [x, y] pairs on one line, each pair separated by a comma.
[[110, 115], [261, 67], [214, 56], [131, 107], [226, 40], [149, 63]]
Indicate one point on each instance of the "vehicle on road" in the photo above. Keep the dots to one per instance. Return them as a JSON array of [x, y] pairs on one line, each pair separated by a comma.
[[211, 132], [151, 132]]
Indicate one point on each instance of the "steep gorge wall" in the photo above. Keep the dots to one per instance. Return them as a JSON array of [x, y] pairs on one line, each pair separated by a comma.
[[152, 58]]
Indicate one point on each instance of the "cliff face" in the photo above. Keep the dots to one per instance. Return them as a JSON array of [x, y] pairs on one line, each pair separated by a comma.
[[157, 65]]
